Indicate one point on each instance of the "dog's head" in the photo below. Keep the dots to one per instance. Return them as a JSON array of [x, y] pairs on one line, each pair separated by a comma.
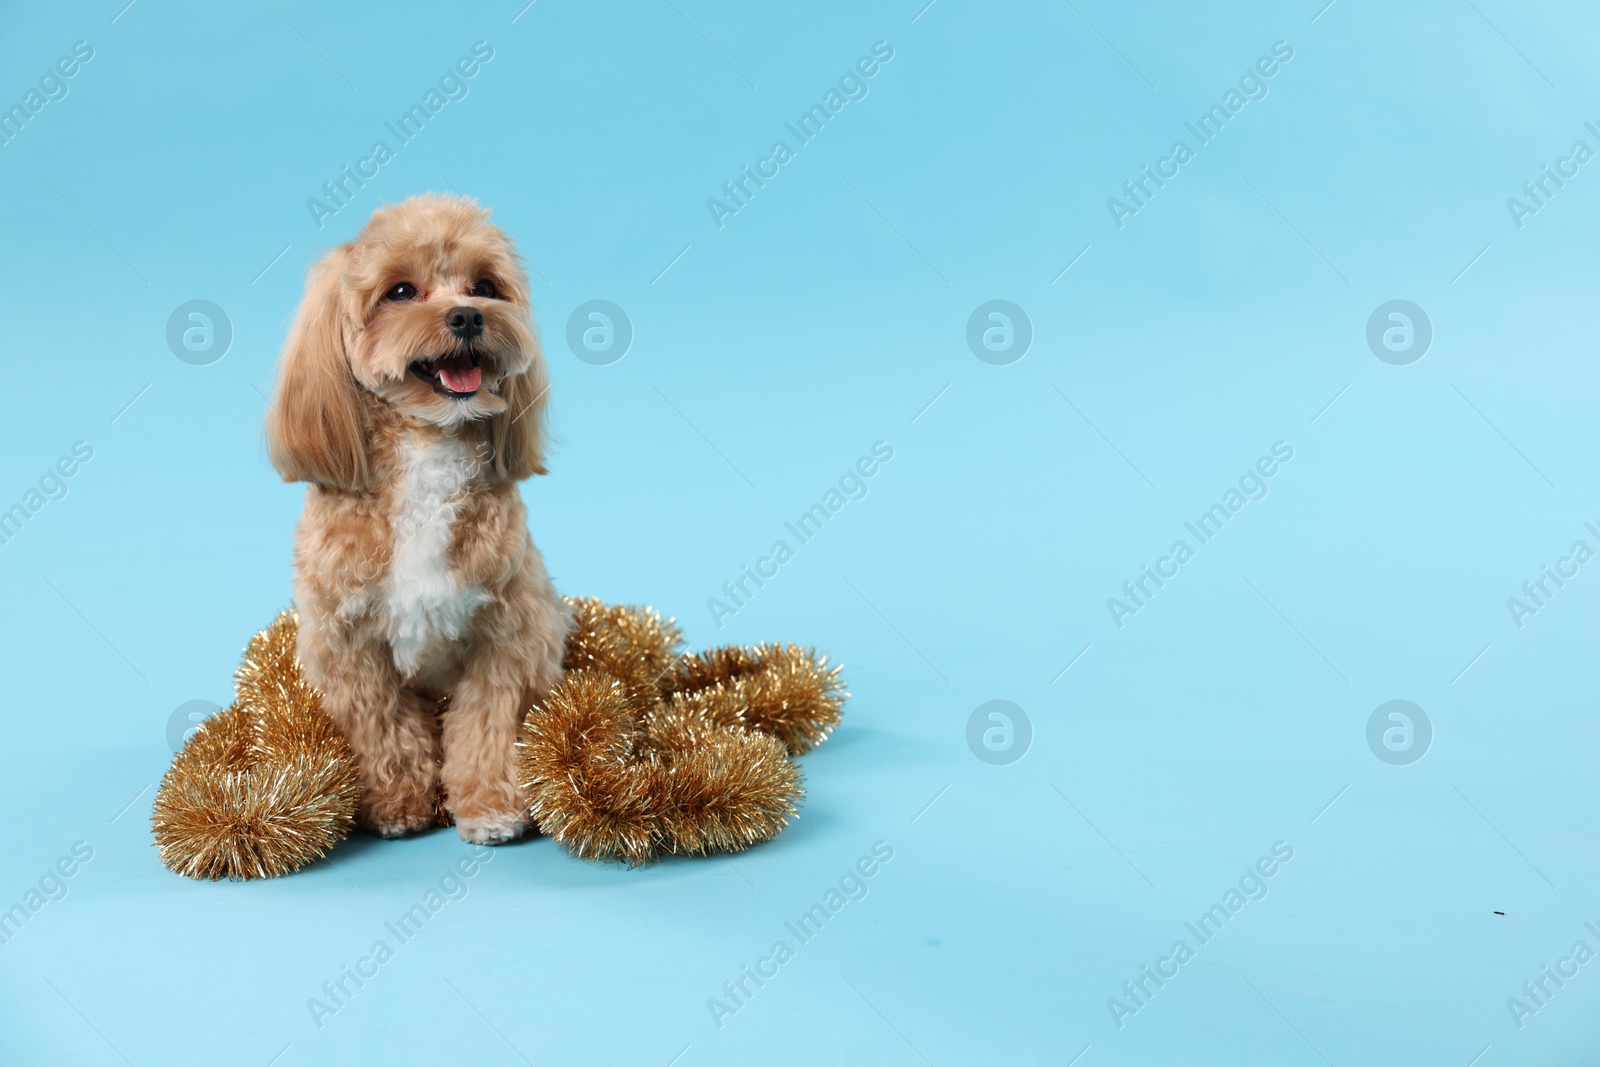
[[427, 311]]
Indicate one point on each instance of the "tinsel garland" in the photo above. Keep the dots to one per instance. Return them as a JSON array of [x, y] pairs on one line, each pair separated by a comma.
[[264, 787], [640, 750]]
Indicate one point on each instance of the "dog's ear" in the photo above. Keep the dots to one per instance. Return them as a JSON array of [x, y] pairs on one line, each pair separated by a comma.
[[315, 431], [517, 434]]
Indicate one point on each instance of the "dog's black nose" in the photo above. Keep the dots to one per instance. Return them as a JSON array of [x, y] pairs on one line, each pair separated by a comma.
[[466, 323]]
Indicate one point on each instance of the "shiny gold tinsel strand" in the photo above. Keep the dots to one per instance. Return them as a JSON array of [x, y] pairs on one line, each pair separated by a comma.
[[783, 690], [576, 766], [612, 780], [639, 751], [635, 645], [265, 787], [642, 751]]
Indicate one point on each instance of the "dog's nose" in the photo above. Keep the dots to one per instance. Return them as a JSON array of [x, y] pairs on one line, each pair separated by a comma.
[[466, 323]]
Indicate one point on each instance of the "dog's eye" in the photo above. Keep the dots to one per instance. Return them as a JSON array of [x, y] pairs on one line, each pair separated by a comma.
[[403, 291], [484, 287]]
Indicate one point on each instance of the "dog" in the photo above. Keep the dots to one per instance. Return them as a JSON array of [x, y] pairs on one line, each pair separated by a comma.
[[411, 395]]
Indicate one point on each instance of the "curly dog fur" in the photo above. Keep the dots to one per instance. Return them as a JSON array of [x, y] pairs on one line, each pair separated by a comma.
[[411, 395]]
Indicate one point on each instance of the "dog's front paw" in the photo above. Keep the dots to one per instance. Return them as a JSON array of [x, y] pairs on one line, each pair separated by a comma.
[[398, 827], [396, 812], [495, 828]]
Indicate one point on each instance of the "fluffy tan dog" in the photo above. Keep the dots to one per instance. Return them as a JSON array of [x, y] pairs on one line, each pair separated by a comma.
[[411, 396]]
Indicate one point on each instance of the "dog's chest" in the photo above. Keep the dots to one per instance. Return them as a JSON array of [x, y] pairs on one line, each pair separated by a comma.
[[427, 607]]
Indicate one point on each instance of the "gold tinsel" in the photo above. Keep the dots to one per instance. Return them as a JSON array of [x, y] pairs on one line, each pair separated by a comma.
[[782, 690], [612, 780], [639, 751], [264, 787], [635, 645]]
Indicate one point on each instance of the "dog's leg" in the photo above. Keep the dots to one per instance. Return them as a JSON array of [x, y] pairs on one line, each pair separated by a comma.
[[480, 735], [391, 730], [516, 659]]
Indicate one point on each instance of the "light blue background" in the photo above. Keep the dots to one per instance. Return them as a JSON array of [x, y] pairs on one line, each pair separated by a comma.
[[826, 316]]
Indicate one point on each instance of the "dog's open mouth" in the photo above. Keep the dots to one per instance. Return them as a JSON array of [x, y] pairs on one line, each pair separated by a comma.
[[454, 375]]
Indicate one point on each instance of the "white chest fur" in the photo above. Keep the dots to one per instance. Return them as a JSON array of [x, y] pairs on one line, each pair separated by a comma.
[[426, 606]]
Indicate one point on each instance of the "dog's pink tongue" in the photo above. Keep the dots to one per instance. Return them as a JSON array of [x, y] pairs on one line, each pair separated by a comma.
[[460, 376]]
